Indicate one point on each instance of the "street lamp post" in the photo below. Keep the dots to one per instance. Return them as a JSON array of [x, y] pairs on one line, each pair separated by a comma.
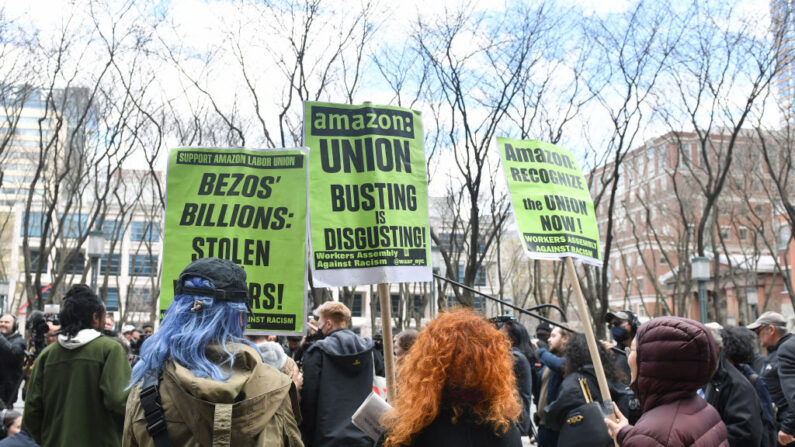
[[3, 296], [95, 249], [700, 273]]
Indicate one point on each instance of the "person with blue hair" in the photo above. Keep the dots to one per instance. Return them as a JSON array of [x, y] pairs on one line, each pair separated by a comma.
[[198, 381]]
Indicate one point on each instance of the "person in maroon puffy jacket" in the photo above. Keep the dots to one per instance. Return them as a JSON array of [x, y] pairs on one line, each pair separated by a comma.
[[670, 359]]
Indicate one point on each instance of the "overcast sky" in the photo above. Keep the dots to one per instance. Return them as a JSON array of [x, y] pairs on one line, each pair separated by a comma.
[[203, 24]]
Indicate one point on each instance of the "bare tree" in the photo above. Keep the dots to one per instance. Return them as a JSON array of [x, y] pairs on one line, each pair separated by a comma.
[[472, 86], [716, 62], [88, 128], [632, 51]]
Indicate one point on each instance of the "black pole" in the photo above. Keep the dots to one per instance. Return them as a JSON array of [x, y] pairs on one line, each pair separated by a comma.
[[554, 306], [528, 311], [516, 308]]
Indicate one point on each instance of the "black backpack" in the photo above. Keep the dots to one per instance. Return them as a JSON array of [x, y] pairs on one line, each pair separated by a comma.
[[627, 402], [770, 437]]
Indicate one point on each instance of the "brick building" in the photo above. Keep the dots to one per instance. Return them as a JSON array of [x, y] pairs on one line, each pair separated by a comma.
[[658, 207]]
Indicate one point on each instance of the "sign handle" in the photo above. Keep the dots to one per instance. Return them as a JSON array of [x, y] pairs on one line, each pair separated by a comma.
[[386, 333], [585, 317]]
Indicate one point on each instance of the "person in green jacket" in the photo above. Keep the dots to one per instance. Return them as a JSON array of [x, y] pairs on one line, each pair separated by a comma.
[[77, 394]]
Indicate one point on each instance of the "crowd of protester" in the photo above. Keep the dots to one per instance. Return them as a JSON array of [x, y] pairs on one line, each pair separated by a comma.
[[461, 380]]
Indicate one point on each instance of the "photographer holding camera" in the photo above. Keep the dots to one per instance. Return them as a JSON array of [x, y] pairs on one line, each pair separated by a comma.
[[12, 354]]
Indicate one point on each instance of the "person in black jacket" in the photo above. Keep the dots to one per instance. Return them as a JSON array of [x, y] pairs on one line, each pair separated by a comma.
[[771, 330], [579, 365], [623, 327], [455, 388], [338, 376], [738, 345], [12, 355], [786, 377], [734, 398], [523, 357]]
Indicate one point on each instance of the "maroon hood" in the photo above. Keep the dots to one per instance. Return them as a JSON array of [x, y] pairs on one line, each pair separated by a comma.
[[676, 356]]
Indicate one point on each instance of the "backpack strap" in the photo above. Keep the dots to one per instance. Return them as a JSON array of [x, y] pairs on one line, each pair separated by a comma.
[[586, 390], [222, 425], [153, 411]]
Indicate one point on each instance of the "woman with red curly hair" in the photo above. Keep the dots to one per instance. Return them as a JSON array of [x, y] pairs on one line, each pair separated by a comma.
[[456, 387]]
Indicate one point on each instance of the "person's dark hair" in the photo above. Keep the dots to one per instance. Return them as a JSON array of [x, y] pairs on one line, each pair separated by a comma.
[[520, 339], [79, 306], [577, 356], [406, 338], [738, 344], [543, 327], [10, 417], [8, 420]]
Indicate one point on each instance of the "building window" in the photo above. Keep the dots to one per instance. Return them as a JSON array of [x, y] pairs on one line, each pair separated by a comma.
[[450, 242], [479, 303], [110, 266], [661, 159], [742, 233], [34, 262], [142, 265], [112, 299], [650, 165], [684, 151], [725, 232], [139, 295], [75, 265], [356, 307], [145, 231], [75, 225], [418, 307], [112, 230], [394, 299], [480, 276], [783, 236], [35, 223]]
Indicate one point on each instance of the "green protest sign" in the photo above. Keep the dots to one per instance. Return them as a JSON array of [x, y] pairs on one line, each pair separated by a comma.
[[553, 208], [368, 195], [247, 206]]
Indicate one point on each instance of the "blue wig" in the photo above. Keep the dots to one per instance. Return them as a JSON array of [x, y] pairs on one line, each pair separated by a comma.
[[184, 335]]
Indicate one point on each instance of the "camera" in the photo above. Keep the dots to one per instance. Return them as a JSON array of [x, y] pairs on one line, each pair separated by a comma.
[[37, 327], [500, 320]]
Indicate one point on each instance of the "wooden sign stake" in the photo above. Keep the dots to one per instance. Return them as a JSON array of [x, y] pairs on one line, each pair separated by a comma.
[[386, 332], [585, 317]]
